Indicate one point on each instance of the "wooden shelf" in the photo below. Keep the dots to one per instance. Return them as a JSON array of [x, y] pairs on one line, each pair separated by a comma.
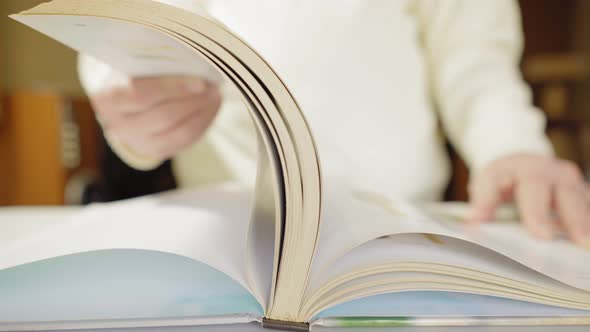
[[34, 170]]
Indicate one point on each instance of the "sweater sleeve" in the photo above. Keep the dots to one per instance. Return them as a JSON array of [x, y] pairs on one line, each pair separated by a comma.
[[96, 76], [473, 49]]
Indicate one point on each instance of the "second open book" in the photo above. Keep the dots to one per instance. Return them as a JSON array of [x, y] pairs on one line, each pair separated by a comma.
[[304, 249]]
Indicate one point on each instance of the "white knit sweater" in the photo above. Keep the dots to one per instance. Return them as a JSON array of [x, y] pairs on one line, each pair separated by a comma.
[[377, 79]]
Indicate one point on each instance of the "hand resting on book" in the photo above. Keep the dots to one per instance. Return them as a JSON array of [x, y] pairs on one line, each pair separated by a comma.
[[550, 193], [158, 116]]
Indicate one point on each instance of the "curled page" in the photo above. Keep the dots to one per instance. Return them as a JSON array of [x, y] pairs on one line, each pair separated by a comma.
[[149, 38]]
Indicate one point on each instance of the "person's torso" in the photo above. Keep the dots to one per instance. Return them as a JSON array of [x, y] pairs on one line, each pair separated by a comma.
[[357, 69]]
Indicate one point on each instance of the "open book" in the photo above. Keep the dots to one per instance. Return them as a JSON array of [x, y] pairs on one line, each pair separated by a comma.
[[301, 251]]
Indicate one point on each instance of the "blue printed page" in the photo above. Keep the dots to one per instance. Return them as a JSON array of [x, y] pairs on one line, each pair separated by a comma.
[[119, 284], [432, 303]]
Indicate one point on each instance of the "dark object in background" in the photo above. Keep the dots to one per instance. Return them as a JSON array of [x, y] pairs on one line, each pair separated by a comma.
[[118, 181]]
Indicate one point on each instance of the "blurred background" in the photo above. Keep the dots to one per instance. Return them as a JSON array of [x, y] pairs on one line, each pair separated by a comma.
[[52, 151]]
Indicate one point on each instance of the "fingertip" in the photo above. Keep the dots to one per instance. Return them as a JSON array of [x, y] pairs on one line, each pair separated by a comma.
[[479, 215], [582, 241], [543, 231]]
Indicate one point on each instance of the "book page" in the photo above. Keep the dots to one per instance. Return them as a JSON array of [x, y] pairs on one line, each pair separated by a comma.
[[445, 304], [426, 249], [264, 240], [208, 225], [353, 216], [559, 259], [120, 284], [142, 51], [270, 103], [435, 253], [20, 222]]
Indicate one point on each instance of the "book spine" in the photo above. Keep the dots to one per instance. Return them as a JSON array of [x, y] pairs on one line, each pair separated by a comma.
[[284, 326]]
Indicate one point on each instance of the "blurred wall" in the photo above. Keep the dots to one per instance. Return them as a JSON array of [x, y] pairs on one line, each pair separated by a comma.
[[29, 60]]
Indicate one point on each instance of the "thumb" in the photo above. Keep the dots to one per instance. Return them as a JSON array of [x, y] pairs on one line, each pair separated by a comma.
[[487, 191]]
